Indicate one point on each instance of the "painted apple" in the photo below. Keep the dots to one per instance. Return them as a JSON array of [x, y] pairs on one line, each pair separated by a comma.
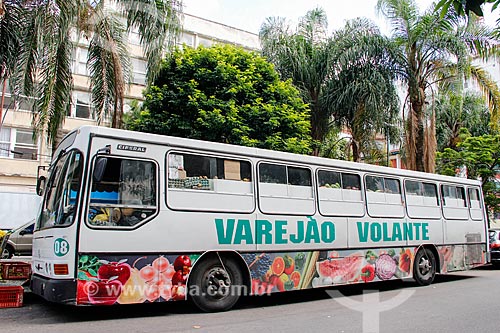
[[82, 291], [104, 292], [119, 269], [178, 278], [182, 263], [178, 293]]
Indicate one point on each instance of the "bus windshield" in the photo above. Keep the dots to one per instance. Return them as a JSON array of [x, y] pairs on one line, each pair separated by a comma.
[[61, 193]]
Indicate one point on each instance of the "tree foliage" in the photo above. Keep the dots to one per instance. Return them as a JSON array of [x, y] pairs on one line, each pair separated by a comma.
[[433, 50], [38, 38], [346, 78], [464, 7], [361, 91], [225, 94], [455, 112], [481, 156], [302, 54]]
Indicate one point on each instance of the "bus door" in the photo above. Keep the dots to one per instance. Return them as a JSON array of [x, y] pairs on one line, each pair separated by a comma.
[[55, 240], [122, 198]]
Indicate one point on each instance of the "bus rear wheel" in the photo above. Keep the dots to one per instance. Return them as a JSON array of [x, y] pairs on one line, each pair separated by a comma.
[[214, 284], [424, 267]]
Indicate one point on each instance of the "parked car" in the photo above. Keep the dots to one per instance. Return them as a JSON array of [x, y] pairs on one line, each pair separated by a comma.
[[20, 241], [495, 246]]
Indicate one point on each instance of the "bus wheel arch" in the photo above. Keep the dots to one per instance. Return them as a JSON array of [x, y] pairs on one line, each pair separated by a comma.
[[426, 264], [217, 280]]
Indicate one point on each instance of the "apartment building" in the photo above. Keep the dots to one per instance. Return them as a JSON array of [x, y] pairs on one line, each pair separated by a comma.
[[20, 156]]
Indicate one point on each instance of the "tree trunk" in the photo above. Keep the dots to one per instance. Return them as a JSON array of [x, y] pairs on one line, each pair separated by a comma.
[[417, 101], [356, 154]]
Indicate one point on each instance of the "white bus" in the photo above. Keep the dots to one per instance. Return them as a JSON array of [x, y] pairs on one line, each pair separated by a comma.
[[129, 217]]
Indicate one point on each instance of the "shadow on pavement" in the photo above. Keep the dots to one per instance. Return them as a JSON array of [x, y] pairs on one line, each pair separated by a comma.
[[38, 311]]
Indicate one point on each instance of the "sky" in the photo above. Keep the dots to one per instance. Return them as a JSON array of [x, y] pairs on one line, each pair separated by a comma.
[[248, 15]]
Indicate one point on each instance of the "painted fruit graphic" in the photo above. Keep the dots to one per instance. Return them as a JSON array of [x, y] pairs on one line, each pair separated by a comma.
[[340, 269], [104, 292], [182, 263], [82, 289], [295, 277], [178, 292], [368, 273], [182, 266], [160, 264], [119, 269], [278, 266], [405, 261], [289, 264], [178, 278], [133, 289], [385, 267]]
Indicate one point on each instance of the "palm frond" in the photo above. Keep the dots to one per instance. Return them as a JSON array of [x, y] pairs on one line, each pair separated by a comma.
[[490, 90], [158, 23], [55, 79], [109, 67], [11, 28]]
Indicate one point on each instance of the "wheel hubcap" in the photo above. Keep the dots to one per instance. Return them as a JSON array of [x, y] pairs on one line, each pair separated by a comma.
[[425, 266], [218, 282]]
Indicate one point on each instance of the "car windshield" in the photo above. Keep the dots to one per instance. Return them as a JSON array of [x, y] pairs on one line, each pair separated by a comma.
[[494, 235], [62, 190]]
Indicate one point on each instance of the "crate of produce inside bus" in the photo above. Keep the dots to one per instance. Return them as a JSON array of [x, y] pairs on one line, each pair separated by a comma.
[[15, 270]]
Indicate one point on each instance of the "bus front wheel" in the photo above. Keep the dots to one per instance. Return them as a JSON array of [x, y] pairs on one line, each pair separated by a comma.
[[214, 284], [424, 267]]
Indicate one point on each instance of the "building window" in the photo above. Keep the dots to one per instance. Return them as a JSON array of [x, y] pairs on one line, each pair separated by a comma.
[[134, 37], [21, 103], [205, 42], [186, 39], [80, 56], [18, 143], [82, 105], [139, 71]]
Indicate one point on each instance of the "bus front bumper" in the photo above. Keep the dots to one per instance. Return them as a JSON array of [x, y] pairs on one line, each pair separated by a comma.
[[59, 291]]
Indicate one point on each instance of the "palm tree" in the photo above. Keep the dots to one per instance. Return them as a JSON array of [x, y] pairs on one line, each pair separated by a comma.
[[431, 50], [10, 41], [346, 79], [361, 90], [302, 55], [44, 58]]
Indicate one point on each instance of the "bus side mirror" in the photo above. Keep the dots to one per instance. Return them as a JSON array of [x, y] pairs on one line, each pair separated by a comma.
[[41, 180], [100, 167], [40, 184]]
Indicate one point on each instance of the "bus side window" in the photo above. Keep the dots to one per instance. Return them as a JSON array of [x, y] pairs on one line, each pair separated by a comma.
[[125, 195]]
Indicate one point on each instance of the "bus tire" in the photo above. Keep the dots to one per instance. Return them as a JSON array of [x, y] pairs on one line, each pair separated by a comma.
[[424, 267], [214, 284]]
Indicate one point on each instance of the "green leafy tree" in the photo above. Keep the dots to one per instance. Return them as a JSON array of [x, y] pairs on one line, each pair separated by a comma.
[[225, 94], [481, 156], [43, 58], [433, 50]]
